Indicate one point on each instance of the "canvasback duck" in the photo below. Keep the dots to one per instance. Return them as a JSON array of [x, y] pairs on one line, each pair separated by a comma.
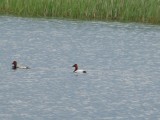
[[15, 66], [76, 70]]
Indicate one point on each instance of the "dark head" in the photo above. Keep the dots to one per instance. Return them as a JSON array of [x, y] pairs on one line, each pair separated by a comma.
[[76, 67], [14, 65]]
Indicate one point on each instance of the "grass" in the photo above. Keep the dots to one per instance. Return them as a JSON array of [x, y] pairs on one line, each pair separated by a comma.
[[146, 11]]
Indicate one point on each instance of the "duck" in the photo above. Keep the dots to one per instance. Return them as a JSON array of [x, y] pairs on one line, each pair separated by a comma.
[[76, 70], [15, 66]]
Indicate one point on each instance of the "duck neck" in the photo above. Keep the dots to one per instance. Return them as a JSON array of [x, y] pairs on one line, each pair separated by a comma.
[[76, 68]]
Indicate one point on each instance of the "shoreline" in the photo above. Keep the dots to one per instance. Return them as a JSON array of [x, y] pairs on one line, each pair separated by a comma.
[[139, 11]]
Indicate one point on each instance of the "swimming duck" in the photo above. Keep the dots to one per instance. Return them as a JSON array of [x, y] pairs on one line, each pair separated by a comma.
[[76, 70], [15, 66]]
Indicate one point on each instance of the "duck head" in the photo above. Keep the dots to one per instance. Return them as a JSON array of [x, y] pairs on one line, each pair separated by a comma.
[[14, 65], [76, 67]]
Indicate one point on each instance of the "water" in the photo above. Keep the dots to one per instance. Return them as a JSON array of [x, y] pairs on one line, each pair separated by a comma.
[[122, 63]]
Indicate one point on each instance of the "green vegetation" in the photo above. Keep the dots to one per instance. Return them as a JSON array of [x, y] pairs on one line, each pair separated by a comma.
[[147, 11]]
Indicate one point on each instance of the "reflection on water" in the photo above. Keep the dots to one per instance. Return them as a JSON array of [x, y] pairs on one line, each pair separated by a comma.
[[122, 63]]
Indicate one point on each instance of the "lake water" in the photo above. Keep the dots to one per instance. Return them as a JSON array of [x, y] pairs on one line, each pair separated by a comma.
[[122, 62]]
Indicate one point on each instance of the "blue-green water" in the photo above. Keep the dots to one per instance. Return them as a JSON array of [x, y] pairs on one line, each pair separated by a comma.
[[122, 63]]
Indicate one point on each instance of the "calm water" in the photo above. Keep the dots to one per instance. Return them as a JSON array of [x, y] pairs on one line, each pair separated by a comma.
[[122, 63]]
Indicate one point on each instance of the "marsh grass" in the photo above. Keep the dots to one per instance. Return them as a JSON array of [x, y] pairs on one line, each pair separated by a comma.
[[147, 11]]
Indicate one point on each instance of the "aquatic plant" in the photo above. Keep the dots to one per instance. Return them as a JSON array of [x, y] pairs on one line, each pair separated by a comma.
[[119, 10]]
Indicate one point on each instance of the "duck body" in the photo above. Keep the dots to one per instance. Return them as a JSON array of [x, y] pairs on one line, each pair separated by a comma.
[[15, 66], [80, 71], [76, 70]]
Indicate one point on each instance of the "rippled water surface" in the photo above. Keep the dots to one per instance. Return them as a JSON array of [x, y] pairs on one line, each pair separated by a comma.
[[122, 63]]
